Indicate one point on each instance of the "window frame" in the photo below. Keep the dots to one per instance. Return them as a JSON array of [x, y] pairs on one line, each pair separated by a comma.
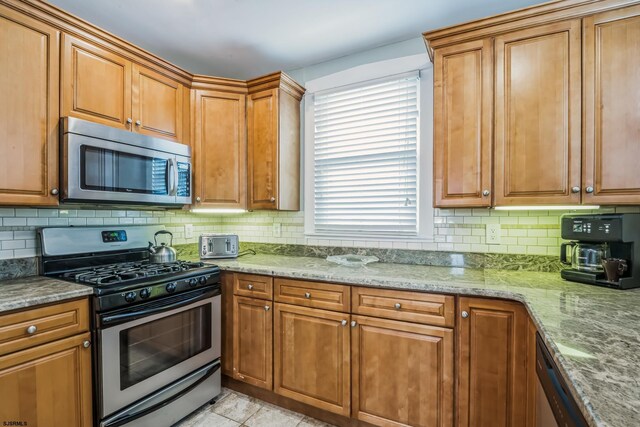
[[358, 76]]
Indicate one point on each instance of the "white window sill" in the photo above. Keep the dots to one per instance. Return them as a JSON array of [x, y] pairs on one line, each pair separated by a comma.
[[370, 238]]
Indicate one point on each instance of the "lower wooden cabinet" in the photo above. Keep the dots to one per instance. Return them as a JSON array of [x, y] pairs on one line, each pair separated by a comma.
[[402, 373], [312, 357], [253, 341], [48, 385], [492, 363], [226, 280]]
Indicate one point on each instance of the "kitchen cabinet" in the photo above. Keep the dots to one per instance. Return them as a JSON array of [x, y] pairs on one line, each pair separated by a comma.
[[402, 373], [492, 363], [463, 100], [312, 357], [226, 281], [612, 107], [104, 87], [537, 115], [273, 143], [45, 365], [253, 341], [220, 150], [29, 110]]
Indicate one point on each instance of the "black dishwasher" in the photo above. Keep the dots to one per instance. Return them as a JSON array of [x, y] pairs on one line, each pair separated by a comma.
[[564, 407]]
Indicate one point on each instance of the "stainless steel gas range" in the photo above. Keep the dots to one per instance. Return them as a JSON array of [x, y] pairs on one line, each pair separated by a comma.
[[156, 326]]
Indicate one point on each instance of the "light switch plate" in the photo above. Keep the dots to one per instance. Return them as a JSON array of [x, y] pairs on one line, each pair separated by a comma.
[[188, 231], [277, 229], [493, 234]]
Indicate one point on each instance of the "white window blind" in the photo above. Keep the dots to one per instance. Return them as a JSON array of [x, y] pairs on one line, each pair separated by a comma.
[[365, 158]]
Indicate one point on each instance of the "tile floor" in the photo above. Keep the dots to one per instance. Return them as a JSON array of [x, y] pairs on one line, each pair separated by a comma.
[[235, 409]]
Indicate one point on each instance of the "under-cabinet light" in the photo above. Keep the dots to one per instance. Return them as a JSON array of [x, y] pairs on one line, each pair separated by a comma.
[[218, 210], [547, 208]]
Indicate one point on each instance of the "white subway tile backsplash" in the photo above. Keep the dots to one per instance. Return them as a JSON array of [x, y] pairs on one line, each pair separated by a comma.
[[37, 222], [13, 244], [25, 212], [14, 222]]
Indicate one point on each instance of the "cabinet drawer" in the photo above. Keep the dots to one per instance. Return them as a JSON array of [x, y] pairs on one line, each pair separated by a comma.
[[432, 309], [254, 286], [40, 325], [313, 294]]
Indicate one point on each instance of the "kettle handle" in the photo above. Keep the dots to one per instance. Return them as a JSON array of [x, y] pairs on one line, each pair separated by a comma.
[[163, 232], [563, 252]]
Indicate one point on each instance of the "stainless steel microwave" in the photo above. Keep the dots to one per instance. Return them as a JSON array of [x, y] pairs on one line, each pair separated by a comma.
[[104, 164]]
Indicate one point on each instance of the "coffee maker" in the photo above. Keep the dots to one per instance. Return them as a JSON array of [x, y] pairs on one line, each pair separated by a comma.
[[599, 240]]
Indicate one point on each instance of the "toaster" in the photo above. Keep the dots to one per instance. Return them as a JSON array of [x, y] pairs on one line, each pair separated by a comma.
[[214, 246]]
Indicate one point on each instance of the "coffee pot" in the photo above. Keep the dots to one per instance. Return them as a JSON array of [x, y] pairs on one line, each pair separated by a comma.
[[585, 256]]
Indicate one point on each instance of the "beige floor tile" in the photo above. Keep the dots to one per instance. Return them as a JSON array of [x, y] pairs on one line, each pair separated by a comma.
[[211, 419], [273, 416], [312, 422], [237, 407]]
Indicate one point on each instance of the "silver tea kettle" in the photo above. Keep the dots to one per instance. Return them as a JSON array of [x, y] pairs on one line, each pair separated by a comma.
[[162, 253]]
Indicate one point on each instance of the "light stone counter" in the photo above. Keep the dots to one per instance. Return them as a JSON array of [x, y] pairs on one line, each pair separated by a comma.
[[593, 333], [35, 290]]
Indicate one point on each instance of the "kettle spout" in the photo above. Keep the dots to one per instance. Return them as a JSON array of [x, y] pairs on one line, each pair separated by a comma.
[[151, 248]]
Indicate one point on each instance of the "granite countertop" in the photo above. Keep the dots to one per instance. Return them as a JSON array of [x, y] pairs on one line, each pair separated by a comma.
[[593, 333], [35, 290]]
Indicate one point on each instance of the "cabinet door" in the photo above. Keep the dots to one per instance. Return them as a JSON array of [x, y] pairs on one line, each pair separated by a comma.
[[29, 81], [612, 107], [262, 132], [96, 84], [48, 385], [402, 373], [537, 115], [492, 363], [226, 279], [156, 104], [463, 106], [312, 350], [220, 150], [253, 341]]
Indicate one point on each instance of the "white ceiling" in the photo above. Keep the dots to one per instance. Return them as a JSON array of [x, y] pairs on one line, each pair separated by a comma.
[[248, 38]]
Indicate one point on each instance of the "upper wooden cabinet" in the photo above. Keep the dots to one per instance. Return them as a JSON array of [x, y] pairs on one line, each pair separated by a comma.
[[463, 100], [29, 110], [612, 107], [106, 88], [220, 150], [537, 115], [492, 363], [273, 139]]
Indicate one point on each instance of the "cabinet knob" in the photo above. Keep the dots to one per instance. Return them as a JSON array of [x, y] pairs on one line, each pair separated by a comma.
[[398, 306], [86, 344], [589, 189], [266, 308], [32, 329], [250, 286], [54, 191], [575, 189], [307, 295], [485, 193], [353, 323], [272, 199], [138, 123], [343, 323], [198, 199], [129, 121], [465, 314]]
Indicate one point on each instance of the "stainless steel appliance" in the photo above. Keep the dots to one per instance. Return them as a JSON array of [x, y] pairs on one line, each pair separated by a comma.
[[554, 404], [156, 326], [214, 246], [598, 240], [108, 165]]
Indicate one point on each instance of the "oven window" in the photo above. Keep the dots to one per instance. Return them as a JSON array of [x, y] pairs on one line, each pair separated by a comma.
[[108, 170], [150, 348]]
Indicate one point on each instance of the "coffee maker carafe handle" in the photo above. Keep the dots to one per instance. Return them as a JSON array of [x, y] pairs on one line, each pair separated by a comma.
[[563, 252]]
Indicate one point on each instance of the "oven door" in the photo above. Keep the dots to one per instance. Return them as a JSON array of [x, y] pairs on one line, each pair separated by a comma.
[[152, 345], [100, 170]]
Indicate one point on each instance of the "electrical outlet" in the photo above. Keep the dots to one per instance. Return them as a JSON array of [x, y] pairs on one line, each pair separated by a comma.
[[493, 234], [188, 231], [277, 229]]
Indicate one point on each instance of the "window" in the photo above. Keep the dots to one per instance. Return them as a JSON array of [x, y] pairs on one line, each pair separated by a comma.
[[365, 158]]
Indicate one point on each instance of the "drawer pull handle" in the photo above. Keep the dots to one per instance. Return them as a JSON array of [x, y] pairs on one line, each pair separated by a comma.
[[250, 286], [32, 329], [398, 306], [343, 323], [307, 295]]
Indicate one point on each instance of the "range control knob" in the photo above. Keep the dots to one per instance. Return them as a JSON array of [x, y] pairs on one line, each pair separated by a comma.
[[193, 282], [130, 296], [171, 287], [202, 280], [144, 293]]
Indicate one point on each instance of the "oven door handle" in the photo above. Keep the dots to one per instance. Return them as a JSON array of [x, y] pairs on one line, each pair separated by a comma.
[[120, 318], [127, 418]]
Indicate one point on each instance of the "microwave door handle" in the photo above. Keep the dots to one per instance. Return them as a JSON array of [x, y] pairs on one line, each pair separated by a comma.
[[169, 176], [174, 190]]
